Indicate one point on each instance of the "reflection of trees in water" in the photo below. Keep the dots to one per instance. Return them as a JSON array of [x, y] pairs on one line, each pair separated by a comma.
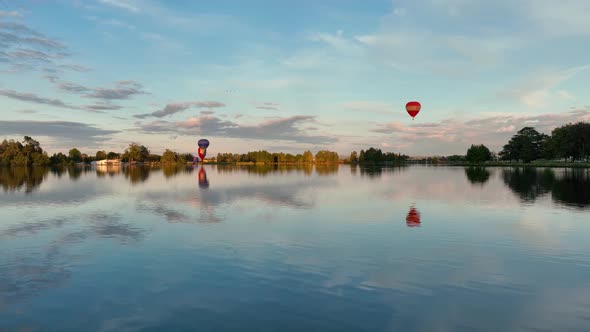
[[573, 188], [375, 171], [58, 171], [353, 169], [136, 174], [570, 187], [264, 170], [13, 178], [529, 183], [74, 172], [477, 175], [173, 170], [326, 169]]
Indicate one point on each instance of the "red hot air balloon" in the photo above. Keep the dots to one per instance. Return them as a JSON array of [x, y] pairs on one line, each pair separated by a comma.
[[413, 107]]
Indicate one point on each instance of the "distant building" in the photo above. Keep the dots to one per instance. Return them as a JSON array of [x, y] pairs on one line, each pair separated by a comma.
[[109, 162]]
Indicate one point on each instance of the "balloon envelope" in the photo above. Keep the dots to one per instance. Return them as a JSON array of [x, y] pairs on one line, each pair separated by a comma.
[[203, 143], [413, 108]]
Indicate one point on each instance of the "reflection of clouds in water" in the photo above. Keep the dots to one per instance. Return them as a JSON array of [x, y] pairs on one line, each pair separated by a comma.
[[294, 194], [24, 274]]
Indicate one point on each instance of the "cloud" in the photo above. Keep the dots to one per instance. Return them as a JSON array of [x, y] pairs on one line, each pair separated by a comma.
[[454, 134], [81, 133], [368, 107], [23, 48], [33, 98], [27, 112], [286, 129], [72, 87], [13, 13], [534, 91], [267, 106], [102, 107], [128, 5], [77, 68], [173, 108], [123, 90]]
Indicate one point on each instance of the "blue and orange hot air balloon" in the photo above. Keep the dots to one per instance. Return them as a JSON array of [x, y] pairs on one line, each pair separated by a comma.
[[203, 145], [413, 108]]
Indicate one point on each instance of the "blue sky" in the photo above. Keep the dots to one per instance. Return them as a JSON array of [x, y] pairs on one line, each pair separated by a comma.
[[290, 75]]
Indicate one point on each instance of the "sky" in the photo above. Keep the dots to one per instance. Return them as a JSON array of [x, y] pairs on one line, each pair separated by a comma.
[[290, 75]]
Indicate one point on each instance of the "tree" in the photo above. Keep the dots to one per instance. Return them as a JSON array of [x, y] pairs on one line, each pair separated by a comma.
[[353, 157], [137, 153], [169, 157], [527, 145], [571, 141], [478, 154], [75, 155], [307, 157], [101, 155], [113, 155]]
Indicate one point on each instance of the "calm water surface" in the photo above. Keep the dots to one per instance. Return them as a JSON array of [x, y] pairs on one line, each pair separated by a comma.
[[295, 249]]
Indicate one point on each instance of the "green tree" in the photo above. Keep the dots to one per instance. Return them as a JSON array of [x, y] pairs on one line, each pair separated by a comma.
[[136, 153], [527, 145], [169, 157], [353, 157], [113, 155], [571, 141], [307, 157], [478, 154], [101, 155], [75, 155]]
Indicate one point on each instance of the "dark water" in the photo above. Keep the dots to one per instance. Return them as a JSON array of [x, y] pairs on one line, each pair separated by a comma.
[[295, 249]]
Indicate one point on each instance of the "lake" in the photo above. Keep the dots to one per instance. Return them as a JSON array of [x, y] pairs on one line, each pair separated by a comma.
[[326, 248]]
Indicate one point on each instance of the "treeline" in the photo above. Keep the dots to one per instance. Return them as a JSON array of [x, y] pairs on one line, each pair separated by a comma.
[[265, 157], [373, 155], [570, 143], [30, 153]]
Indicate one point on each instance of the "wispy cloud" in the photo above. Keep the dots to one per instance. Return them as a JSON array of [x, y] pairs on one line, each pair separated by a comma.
[[128, 5], [286, 129], [12, 13], [454, 134], [537, 90], [23, 48], [267, 106], [81, 133], [173, 108], [123, 90], [368, 107], [33, 98]]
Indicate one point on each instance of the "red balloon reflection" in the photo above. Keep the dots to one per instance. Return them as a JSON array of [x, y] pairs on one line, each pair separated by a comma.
[[413, 218], [203, 182]]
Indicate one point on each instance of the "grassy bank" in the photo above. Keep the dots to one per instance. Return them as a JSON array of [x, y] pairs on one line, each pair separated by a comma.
[[552, 164]]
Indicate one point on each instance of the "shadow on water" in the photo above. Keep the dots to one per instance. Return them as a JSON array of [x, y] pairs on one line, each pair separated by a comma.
[[570, 187], [477, 175], [14, 178]]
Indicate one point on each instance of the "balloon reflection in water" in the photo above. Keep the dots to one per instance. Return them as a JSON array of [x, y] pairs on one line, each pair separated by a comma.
[[413, 218], [203, 182]]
